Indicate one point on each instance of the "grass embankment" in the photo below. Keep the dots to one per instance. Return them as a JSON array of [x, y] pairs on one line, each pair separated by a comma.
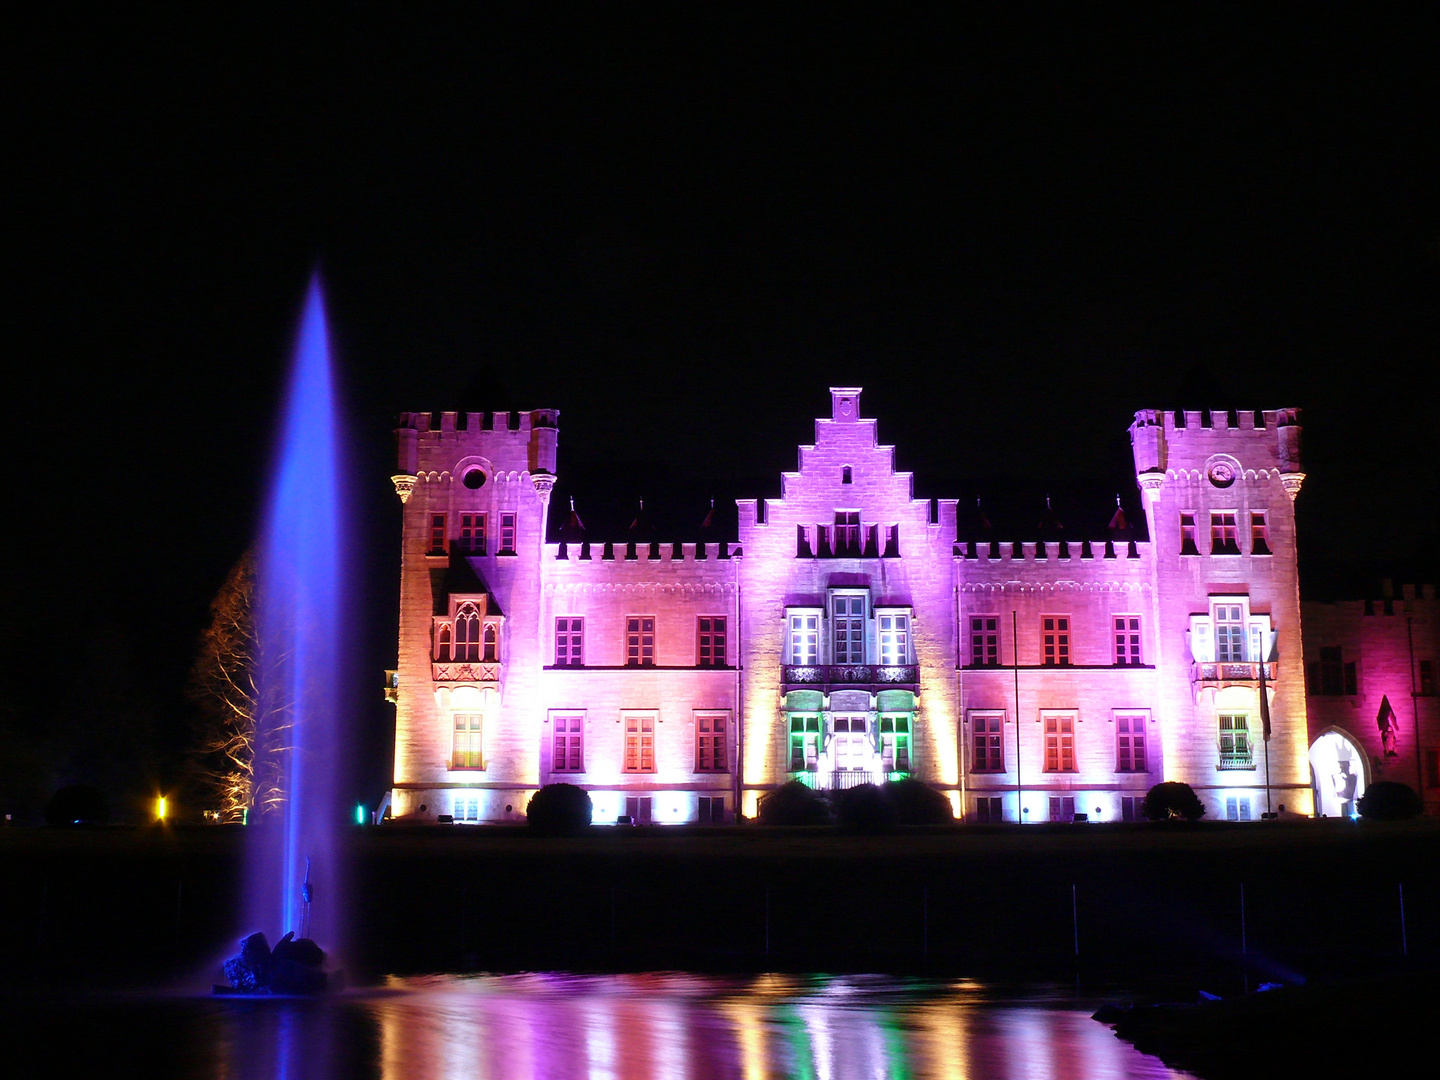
[[1149, 902]]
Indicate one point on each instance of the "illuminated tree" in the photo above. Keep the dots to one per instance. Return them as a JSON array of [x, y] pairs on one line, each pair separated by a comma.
[[240, 769]]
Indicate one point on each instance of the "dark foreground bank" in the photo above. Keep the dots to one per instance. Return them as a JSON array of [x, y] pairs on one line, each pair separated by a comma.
[[1349, 1027], [1170, 908]]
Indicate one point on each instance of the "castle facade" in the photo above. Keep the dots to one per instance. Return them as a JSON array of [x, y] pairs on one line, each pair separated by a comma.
[[853, 634]]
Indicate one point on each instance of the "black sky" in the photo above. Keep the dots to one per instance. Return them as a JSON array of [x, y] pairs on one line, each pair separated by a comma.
[[1014, 226]]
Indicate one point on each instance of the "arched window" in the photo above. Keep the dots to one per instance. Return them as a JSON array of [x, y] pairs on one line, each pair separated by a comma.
[[467, 634], [490, 651], [442, 645]]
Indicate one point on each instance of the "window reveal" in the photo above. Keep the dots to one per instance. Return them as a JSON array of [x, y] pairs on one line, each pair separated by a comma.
[[1130, 743], [1223, 537], [805, 640], [468, 730], [1235, 741], [639, 744], [1259, 534], [989, 744], [984, 641], [569, 642], [1187, 535], [1055, 639], [712, 641], [804, 743], [1127, 639], [569, 745], [710, 744], [640, 641], [1059, 744], [437, 534], [895, 743], [894, 639], [472, 534], [849, 619]]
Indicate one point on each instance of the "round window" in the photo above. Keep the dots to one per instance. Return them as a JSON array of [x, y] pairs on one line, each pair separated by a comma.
[[475, 478]]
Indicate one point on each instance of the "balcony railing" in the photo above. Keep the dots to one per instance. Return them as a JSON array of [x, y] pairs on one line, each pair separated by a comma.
[[465, 671], [842, 779], [1222, 671], [826, 676], [1237, 759]]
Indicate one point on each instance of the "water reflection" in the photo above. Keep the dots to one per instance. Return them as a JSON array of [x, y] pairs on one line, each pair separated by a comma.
[[669, 1027]]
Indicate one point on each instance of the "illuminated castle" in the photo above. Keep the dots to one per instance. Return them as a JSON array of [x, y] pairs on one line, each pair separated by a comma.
[[853, 634]]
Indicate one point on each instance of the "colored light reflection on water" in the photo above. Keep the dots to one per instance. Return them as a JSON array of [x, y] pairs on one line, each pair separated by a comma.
[[674, 1027]]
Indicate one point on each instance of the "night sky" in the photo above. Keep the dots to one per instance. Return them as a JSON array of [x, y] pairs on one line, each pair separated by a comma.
[[1013, 226]]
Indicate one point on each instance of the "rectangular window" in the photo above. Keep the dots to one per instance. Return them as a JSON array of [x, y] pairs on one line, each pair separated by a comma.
[[989, 809], [637, 809], [1237, 808], [1223, 538], [804, 743], [710, 810], [437, 534], [1235, 742], [894, 639], [467, 741], [805, 640], [1432, 768], [1130, 807], [895, 743], [1055, 639], [639, 743], [1427, 678], [1127, 639], [1059, 743], [987, 731], [569, 642], [1259, 533], [467, 809], [1187, 535], [710, 744], [1332, 670], [569, 745], [1230, 633], [847, 532], [984, 641], [507, 534], [640, 641], [849, 620], [850, 742], [472, 534], [1062, 808], [712, 640], [1130, 743]]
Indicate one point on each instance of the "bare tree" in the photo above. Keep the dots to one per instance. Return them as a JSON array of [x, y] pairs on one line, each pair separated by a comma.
[[239, 758]]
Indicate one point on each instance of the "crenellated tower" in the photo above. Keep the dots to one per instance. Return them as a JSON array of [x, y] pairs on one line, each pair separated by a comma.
[[1219, 489]]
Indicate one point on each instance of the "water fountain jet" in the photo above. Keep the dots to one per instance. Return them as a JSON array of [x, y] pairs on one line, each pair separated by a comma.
[[298, 807]]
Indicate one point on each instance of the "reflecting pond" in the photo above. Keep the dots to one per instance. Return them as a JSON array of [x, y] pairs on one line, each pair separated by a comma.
[[661, 1026]]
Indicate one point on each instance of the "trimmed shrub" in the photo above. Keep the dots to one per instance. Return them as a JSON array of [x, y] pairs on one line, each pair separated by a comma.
[[794, 803], [559, 810], [1172, 799], [917, 803], [864, 808], [77, 804], [1390, 800]]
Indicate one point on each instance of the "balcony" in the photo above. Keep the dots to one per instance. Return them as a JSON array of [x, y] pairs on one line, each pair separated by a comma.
[[828, 677], [843, 779], [1225, 672], [469, 671], [1237, 759]]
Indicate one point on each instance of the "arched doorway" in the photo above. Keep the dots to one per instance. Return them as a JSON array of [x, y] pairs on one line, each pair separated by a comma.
[[1339, 773]]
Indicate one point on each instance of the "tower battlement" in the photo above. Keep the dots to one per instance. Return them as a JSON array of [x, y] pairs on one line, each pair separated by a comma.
[[509, 441], [1165, 439]]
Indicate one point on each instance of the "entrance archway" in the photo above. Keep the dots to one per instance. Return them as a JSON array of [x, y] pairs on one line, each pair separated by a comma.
[[1339, 773]]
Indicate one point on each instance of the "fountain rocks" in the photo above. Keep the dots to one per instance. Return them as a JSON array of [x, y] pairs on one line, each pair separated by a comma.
[[293, 966]]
